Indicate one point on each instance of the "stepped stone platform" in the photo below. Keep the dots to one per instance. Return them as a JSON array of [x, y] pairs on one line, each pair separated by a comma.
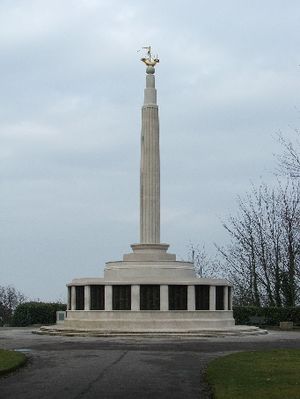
[[204, 332]]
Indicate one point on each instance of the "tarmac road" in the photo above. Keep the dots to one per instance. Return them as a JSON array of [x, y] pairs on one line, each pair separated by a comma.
[[138, 368]]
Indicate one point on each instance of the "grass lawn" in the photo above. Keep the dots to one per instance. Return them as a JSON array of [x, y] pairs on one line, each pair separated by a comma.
[[261, 375], [10, 361]]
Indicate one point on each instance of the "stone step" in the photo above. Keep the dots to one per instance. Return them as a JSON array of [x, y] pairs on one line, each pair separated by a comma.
[[194, 333]]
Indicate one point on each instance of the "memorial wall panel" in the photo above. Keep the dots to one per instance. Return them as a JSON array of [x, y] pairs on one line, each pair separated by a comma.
[[121, 297], [149, 297], [177, 297]]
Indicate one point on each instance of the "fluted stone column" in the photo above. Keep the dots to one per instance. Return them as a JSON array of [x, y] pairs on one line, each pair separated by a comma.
[[150, 167]]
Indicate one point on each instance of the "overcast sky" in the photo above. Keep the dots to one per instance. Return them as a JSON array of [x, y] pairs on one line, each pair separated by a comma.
[[70, 97]]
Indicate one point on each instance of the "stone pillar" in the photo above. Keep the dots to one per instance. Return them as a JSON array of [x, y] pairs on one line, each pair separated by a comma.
[[225, 299], [73, 297], [164, 297], [191, 297], [108, 297], [87, 297], [212, 297], [135, 297], [230, 297], [150, 167]]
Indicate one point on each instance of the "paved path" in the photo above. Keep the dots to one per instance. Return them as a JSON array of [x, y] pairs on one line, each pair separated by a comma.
[[86, 368]]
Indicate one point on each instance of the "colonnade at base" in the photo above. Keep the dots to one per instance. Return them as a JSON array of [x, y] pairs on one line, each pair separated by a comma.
[[140, 297]]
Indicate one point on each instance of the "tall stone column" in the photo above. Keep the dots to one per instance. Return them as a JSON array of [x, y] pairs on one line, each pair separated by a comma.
[[150, 166], [150, 248]]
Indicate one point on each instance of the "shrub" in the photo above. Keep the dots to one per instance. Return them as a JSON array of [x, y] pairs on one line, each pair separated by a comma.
[[271, 316], [36, 313]]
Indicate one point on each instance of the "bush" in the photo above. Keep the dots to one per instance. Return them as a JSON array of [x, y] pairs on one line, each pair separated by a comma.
[[29, 313], [252, 315]]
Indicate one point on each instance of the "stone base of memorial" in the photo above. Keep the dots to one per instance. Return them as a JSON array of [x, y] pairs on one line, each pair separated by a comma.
[[149, 292]]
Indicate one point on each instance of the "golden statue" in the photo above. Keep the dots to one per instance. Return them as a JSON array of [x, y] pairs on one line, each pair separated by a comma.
[[149, 60]]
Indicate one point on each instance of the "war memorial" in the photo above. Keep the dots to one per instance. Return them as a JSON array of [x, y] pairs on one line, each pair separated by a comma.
[[149, 291]]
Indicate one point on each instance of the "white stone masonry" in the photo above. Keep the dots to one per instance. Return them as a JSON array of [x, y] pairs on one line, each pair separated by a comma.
[[150, 167]]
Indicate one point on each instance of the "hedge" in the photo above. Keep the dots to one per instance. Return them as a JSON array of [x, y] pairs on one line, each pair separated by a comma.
[[29, 313], [271, 316]]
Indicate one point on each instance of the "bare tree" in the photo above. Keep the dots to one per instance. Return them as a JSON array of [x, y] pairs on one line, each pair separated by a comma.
[[262, 259], [290, 268], [10, 298], [289, 160], [204, 265]]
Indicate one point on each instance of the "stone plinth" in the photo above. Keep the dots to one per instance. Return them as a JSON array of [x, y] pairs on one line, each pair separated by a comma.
[[149, 252], [207, 311], [142, 321]]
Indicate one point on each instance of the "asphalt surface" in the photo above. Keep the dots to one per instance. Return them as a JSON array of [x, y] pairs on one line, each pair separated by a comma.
[[86, 367]]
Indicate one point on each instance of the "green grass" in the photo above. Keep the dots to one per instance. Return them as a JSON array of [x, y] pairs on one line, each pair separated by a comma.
[[10, 361], [261, 375]]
